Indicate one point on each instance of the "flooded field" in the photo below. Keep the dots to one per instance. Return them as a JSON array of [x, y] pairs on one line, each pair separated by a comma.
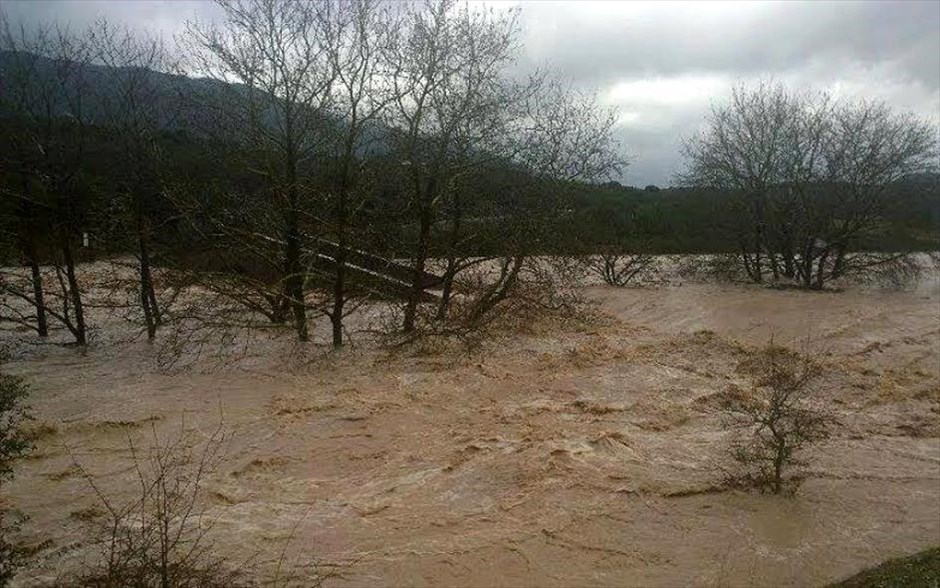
[[586, 454]]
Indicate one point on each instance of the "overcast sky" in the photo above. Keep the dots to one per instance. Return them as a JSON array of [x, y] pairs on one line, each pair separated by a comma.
[[661, 64]]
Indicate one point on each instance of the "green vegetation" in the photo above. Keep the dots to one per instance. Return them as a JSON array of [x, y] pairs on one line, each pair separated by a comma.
[[14, 414], [921, 570], [14, 444]]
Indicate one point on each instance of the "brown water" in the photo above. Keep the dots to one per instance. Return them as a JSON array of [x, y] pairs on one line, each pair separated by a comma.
[[575, 456]]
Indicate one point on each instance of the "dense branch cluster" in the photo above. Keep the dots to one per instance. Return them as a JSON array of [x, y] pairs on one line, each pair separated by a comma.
[[811, 177], [322, 141]]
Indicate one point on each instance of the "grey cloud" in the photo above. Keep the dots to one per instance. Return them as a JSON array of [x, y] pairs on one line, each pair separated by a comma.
[[742, 38], [161, 17], [881, 50], [653, 150]]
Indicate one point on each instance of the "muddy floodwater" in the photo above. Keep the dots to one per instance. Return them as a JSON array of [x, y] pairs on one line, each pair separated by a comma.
[[572, 455]]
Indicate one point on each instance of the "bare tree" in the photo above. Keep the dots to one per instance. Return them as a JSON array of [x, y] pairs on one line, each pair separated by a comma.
[[135, 105], [358, 35], [161, 537], [744, 152], [619, 267], [464, 124], [808, 174], [447, 67], [867, 149], [273, 62], [614, 251], [564, 137], [776, 419], [45, 86], [23, 220]]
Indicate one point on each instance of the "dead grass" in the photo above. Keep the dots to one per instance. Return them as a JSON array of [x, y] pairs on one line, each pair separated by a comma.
[[297, 406], [70, 472], [594, 408], [37, 431], [662, 415], [731, 395]]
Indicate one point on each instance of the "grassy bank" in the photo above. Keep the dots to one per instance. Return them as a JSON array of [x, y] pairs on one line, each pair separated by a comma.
[[921, 570]]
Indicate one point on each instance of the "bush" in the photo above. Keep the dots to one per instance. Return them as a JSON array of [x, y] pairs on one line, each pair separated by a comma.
[[14, 443], [14, 413], [776, 421], [619, 268], [160, 538]]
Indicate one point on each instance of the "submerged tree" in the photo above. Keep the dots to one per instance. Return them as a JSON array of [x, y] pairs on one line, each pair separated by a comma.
[[135, 103], [46, 87], [776, 420], [564, 137], [809, 175], [449, 68], [358, 34], [464, 127], [278, 54], [304, 123]]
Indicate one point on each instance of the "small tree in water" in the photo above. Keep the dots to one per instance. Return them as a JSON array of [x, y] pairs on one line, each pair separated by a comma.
[[776, 421]]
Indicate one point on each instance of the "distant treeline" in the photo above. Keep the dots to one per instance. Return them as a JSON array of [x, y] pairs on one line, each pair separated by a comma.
[[695, 220]]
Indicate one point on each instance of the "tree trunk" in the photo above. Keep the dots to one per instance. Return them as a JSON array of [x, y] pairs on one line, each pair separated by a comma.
[[838, 266], [148, 299], [339, 295], [75, 294], [28, 246], [758, 264], [339, 281], [451, 271], [778, 472], [420, 259], [788, 262], [446, 287], [294, 281], [499, 291], [774, 266], [758, 220], [820, 270], [748, 267], [806, 272], [42, 326]]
